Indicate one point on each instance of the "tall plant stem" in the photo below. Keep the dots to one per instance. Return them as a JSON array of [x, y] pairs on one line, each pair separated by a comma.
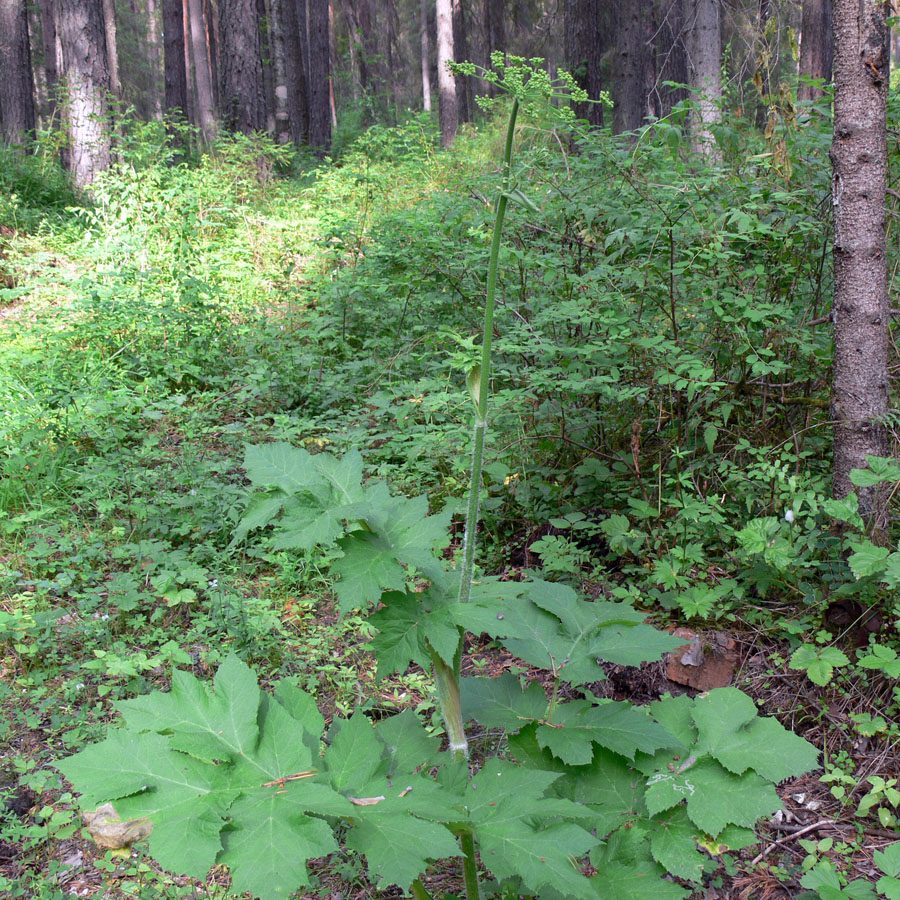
[[447, 677], [481, 400], [418, 891], [470, 868]]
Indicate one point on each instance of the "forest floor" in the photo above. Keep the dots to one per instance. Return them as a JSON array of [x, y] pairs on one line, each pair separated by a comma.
[[145, 341]]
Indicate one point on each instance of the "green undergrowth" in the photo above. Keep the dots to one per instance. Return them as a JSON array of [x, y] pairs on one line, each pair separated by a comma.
[[659, 434]]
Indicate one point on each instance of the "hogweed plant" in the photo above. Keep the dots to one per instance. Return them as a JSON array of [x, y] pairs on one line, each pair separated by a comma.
[[590, 798]]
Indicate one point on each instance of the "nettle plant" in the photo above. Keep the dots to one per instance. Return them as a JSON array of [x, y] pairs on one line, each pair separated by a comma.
[[590, 797]]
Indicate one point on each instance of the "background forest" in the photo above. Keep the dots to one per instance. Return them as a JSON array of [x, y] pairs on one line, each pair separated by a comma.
[[269, 269]]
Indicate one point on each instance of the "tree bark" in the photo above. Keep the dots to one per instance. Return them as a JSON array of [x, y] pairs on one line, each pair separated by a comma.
[[82, 40], [629, 87], [332, 66], [583, 52], [494, 25], [279, 64], [243, 94], [859, 178], [112, 46], [206, 108], [303, 25], [190, 107], [358, 64], [816, 47], [211, 17], [703, 41], [294, 70], [51, 53], [426, 56], [465, 100], [671, 57], [446, 79], [319, 76], [155, 56], [173, 60], [265, 54], [17, 93]]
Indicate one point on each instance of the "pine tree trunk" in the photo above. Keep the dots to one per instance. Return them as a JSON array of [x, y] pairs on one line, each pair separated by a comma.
[[190, 108], [703, 40], [359, 68], [859, 179], [17, 92], [206, 110], [303, 25], [279, 71], [816, 47], [112, 46], [629, 89], [295, 70], [671, 57], [494, 33], [243, 93], [583, 52], [211, 17], [426, 56], [51, 54], [465, 101], [155, 57], [446, 80], [82, 40], [319, 76], [268, 75], [173, 60]]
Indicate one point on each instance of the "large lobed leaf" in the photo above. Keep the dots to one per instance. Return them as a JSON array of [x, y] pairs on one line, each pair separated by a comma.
[[225, 776], [550, 626], [318, 499]]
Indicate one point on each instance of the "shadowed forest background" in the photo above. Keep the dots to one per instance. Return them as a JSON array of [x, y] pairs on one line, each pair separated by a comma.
[[246, 251]]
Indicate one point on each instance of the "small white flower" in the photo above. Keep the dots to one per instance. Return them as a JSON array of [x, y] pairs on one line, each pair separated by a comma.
[[193, 492], [789, 517], [214, 584], [104, 617]]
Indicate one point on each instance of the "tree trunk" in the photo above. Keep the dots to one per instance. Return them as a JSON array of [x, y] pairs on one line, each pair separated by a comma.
[[82, 41], [294, 70], [206, 109], [51, 52], [155, 56], [859, 178], [583, 51], [303, 25], [703, 40], [816, 47], [494, 29], [358, 65], [243, 96], [446, 79], [629, 89], [426, 57], [211, 17], [173, 60], [265, 52], [17, 93], [671, 57], [464, 99], [190, 108], [112, 46], [319, 77], [276, 32]]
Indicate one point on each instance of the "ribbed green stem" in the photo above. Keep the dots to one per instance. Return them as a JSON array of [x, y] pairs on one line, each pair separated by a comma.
[[446, 678], [419, 892], [470, 541], [470, 867]]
